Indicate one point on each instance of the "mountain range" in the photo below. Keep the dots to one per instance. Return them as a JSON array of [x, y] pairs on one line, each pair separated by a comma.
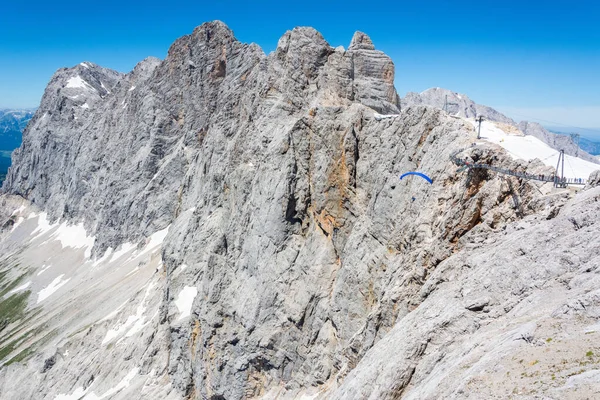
[[461, 105], [227, 224], [12, 123], [585, 144]]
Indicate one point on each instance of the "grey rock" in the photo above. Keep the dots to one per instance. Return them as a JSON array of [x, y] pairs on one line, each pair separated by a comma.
[[373, 76], [146, 133], [556, 141], [407, 361], [458, 104], [360, 41], [317, 271], [593, 180], [477, 304]]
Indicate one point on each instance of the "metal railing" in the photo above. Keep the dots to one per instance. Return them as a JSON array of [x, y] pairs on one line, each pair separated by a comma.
[[558, 181]]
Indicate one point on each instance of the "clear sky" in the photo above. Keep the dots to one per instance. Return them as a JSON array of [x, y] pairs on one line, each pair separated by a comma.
[[530, 59]]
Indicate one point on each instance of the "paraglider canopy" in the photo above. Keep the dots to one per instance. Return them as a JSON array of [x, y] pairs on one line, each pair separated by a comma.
[[422, 175]]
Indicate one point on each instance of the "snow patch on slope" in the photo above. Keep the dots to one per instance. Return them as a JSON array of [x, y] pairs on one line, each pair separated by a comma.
[[80, 392], [156, 240], [104, 87], [76, 395], [22, 287], [43, 225], [69, 235], [75, 236], [133, 324], [44, 269], [106, 256], [125, 248], [56, 284], [379, 117], [184, 301], [526, 147], [19, 210], [77, 82]]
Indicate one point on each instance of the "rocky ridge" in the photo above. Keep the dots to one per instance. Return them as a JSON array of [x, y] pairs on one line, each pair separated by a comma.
[[462, 106], [457, 104], [556, 141], [262, 191]]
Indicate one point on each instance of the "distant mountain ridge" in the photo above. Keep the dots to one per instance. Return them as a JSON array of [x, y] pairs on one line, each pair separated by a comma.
[[588, 145], [454, 103], [12, 124], [461, 105], [556, 141]]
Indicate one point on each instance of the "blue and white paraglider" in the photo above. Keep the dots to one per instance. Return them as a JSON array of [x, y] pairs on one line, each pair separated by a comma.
[[422, 175]]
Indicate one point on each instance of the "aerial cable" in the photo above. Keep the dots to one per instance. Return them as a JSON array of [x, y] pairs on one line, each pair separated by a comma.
[[570, 166], [550, 156]]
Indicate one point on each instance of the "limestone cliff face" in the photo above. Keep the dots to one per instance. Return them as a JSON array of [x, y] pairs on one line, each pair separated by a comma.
[[275, 181], [116, 151]]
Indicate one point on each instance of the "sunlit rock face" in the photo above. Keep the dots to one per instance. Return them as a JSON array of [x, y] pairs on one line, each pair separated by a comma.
[[226, 224]]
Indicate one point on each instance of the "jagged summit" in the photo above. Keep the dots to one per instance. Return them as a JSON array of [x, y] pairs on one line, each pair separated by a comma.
[[213, 28], [361, 41], [456, 104], [209, 80]]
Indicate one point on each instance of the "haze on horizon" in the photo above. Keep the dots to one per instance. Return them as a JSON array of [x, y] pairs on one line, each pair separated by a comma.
[[535, 61]]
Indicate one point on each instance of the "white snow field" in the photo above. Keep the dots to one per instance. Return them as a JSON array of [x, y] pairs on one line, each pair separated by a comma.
[[116, 292], [77, 82], [80, 391], [527, 148], [184, 301], [56, 284], [69, 235]]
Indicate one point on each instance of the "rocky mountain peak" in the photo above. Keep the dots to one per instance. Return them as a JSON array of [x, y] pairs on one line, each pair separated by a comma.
[[230, 224], [84, 81], [361, 41], [214, 31], [145, 68], [303, 42], [209, 84], [455, 104]]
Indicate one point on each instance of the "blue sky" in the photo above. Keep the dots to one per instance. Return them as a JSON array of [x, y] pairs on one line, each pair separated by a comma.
[[530, 59]]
